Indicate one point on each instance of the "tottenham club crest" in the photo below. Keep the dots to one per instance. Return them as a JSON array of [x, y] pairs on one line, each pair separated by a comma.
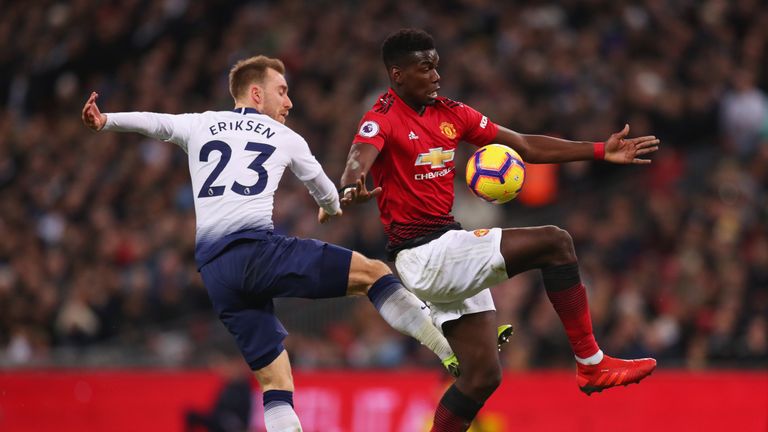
[[369, 129]]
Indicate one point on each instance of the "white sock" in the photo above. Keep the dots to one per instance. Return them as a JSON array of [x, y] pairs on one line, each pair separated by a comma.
[[591, 360], [403, 311], [279, 415]]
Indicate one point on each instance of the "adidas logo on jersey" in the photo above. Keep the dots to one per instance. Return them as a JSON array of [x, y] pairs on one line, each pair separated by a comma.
[[412, 136]]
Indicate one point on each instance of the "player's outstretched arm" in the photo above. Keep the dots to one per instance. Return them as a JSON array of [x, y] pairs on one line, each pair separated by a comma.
[[167, 127], [622, 150], [359, 161], [92, 116], [547, 149]]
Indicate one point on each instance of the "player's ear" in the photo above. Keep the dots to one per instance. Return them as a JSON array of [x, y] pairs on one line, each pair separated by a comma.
[[256, 94], [396, 74]]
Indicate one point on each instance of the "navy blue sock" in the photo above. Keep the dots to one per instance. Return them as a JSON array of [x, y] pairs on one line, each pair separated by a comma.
[[278, 411], [382, 289], [278, 396]]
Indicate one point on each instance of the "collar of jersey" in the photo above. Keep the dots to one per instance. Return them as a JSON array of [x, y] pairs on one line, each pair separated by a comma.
[[246, 110], [398, 99]]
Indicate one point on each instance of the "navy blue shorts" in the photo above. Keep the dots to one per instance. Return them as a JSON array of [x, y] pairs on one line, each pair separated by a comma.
[[249, 273]]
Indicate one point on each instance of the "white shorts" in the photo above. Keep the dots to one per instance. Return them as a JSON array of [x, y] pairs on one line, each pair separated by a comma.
[[452, 273]]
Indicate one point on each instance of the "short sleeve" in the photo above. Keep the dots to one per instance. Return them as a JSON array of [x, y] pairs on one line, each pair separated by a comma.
[[478, 129], [373, 129]]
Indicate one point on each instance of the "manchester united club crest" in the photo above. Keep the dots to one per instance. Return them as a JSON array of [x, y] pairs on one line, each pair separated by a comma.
[[448, 130]]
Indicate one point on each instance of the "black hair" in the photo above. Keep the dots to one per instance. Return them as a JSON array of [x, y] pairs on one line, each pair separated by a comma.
[[404, 42]]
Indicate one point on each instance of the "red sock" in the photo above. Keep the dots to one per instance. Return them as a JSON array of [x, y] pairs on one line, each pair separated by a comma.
[[572, 307], [455, 412], [447, 421]]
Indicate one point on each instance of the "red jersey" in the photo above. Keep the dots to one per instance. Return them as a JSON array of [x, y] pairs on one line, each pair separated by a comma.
[[415, 166]]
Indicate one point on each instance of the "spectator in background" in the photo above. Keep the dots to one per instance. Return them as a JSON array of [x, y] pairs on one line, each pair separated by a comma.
[[744, 113], [231, 409]]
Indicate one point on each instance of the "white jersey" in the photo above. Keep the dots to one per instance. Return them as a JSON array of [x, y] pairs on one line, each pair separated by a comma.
[[236, 160]]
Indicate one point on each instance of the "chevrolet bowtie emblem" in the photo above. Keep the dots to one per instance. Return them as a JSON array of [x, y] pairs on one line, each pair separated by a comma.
[[436, 157]]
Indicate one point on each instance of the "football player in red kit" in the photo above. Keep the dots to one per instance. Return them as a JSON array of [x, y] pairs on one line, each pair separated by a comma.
[[408, 142]]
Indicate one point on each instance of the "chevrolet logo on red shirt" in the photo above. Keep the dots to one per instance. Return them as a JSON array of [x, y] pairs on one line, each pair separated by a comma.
[[436, 158]]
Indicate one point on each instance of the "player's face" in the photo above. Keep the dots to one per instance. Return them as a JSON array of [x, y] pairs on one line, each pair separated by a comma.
[[275, 101], [419, 80]]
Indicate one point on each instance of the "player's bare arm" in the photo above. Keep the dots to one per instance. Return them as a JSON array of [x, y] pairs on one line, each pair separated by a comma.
[[354, 190], [546, 149], [92, 116]]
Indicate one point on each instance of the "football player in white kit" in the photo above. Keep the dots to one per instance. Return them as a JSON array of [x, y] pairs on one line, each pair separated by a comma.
[[236, 159]]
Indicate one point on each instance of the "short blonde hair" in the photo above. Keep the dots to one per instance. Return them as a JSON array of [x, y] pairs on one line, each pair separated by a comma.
[[251, 70]]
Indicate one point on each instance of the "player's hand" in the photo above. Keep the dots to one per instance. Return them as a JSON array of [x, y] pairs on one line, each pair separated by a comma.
[[92, 116], [360, 193], [622, 150], [324, 217]]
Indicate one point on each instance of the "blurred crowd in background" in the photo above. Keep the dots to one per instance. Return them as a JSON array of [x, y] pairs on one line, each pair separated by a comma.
[[97, 230]]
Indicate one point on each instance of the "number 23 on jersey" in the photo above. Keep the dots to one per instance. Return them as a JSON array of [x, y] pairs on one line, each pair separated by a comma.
[[257, 165]]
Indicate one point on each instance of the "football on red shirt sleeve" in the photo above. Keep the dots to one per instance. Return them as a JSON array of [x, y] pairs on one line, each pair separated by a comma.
[[373, 129], [478, 129]]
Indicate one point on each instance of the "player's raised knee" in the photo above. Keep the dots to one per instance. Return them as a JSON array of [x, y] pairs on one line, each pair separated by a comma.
[[378, 269], [561, 242], [363, 272]]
